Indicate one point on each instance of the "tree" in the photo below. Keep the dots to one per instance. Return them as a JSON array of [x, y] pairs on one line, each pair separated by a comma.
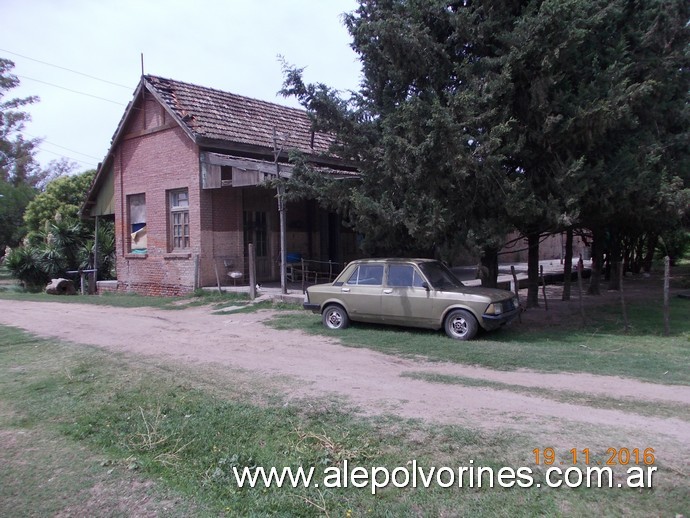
[[17, 164], [20, 175], [13, 201], [476, 117], [63, 195], [431, 176], [59, 240]]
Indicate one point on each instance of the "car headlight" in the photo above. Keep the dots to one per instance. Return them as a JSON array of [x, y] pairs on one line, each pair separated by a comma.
[[494, 309]]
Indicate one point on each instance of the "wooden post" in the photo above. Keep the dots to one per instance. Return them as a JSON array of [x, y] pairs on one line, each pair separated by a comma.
[[196, 272], [304, 272], [626, 323], [215, 267], [579, 284], [516, 287], [93, 278], [543, 286], [667, 308], [252, 272]]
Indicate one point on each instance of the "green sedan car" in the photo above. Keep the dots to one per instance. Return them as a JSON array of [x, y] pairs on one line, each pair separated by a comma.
[[410, 292]]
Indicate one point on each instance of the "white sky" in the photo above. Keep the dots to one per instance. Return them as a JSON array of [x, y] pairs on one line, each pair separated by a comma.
[[230, 45]]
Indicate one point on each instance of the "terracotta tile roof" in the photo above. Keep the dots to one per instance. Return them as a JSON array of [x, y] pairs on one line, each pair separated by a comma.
[[214, 114]]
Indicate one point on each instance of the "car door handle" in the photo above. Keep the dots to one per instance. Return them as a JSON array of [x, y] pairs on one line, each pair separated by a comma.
[[388, 292], [345, 290]]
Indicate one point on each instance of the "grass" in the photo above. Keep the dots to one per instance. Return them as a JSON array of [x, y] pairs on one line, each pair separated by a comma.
[[653, 409], [602, 348], [185, 431], [198, 298], [45, 473]]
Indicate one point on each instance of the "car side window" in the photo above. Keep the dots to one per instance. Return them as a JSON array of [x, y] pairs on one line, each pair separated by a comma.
[[367, 275], [404, 276]]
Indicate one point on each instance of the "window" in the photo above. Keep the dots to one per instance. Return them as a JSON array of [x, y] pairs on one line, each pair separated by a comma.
[[179, 219], [136, 209], [367, 275], [404, 276]]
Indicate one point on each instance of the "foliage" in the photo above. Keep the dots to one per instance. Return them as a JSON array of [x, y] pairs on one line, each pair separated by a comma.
[[13, 201], [59, 241], [473, 118], [63, 196], [17, 164], [20, 175], [25, 264], [62, 245]]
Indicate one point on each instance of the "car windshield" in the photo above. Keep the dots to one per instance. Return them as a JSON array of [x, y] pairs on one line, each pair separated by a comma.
[[440, 277]]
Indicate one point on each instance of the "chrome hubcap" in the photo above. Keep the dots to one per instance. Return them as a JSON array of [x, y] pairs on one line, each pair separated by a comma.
[[334, 319], [459, 326]]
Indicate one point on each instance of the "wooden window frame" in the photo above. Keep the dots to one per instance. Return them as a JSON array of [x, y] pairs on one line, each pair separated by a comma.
[[179, 232], [130, 218]]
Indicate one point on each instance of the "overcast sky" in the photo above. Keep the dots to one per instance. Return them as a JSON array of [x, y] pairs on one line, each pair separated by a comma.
[[230, 45]]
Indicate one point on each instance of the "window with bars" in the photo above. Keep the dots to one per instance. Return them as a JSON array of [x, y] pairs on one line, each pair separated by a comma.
[[179, 219]]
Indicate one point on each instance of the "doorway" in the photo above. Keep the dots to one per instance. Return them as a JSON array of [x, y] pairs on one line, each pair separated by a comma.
[[255, 227]]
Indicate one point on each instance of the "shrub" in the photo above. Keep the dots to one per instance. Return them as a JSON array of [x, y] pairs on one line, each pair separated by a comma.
[[25, 263]]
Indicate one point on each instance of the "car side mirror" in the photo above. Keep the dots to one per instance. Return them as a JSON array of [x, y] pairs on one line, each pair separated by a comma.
[[425, 285]]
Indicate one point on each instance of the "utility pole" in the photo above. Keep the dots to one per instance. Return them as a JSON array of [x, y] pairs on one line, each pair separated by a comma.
[[281, 213]]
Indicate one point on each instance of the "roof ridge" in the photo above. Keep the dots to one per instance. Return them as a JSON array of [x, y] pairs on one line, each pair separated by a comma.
[[224, 92]]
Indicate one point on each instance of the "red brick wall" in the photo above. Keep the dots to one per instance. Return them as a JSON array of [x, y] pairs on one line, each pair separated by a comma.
[[153, 163], [151, 158]]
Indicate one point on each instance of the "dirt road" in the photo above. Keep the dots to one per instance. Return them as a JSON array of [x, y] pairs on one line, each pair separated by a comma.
[[373, 382]]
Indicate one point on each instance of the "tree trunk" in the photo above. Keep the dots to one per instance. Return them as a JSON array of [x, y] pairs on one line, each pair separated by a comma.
[[614, 263], [568, 264], [637, 249], [597, 255], [533, 270], [489, 260], [652, 240]]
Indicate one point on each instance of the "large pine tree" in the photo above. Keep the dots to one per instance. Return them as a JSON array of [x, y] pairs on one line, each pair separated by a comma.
[[473, 118]]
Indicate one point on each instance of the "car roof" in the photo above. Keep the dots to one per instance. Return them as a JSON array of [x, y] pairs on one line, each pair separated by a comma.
[[394, 260]]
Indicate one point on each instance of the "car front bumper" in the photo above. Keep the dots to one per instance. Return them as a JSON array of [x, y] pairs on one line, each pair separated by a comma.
[[491, 322]]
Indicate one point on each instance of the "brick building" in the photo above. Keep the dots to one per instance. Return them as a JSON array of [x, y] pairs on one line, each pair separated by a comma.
[[185, 181]]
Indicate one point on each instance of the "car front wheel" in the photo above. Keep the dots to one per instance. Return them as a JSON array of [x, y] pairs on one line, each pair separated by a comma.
[[335, 317], [461, 325]]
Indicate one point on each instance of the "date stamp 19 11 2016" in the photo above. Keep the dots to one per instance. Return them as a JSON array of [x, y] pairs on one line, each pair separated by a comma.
[[611, 457]]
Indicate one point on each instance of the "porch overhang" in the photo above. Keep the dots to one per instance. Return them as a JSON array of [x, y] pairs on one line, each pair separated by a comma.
[[249, 171], [245, 171]]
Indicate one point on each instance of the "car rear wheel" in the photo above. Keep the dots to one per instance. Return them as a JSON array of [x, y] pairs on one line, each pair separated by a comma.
[[461, 325], [335, 317]]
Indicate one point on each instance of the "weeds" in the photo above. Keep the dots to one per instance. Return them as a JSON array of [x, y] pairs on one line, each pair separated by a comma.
[[151, 418], [166, 444], [332, 452]]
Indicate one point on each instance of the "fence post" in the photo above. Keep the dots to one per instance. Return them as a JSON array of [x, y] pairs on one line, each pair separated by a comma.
[[579, 285], [626, 322], [516, 287], [667, 309], [252, 273], [304, 273]]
